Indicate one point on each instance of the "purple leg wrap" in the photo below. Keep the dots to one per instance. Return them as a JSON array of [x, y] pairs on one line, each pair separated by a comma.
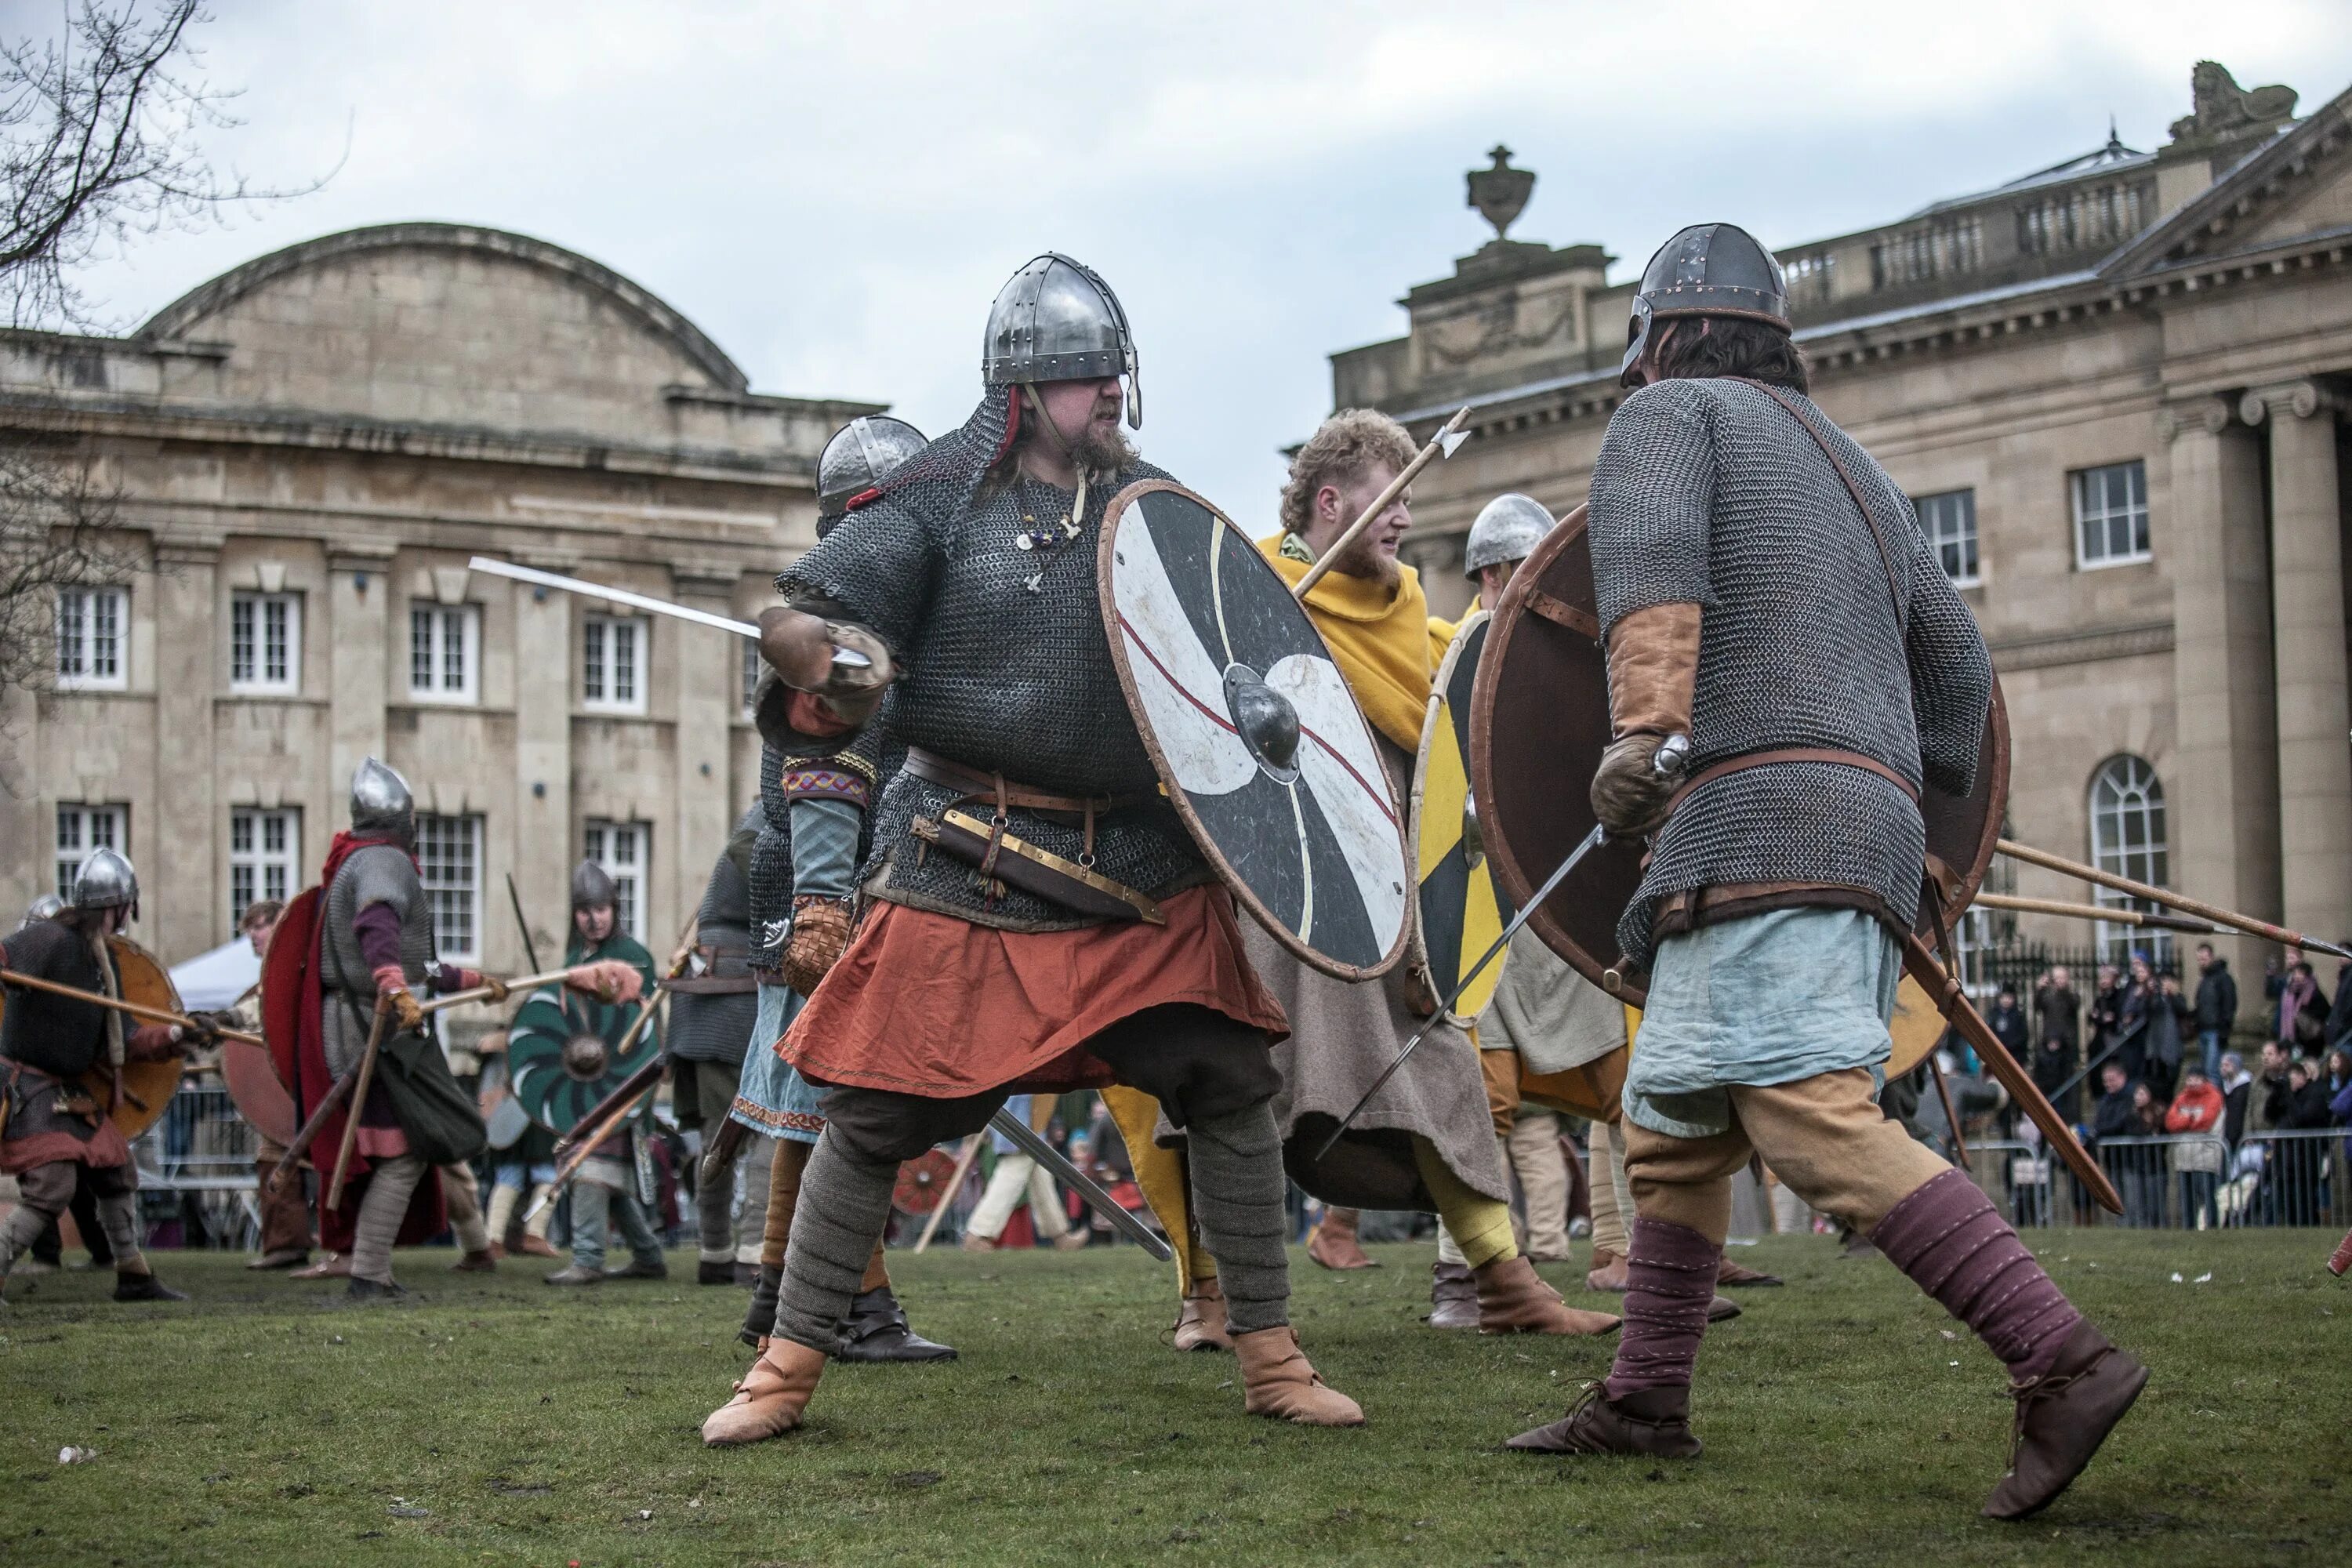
[[1670, 1272], [1947, 1236]]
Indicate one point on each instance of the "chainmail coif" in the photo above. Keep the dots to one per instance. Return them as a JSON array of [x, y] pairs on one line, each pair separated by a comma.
[[1708, 493], [996, 674]]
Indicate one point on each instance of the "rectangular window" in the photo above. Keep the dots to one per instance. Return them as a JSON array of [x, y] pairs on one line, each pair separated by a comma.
[[624, 850], [92, 624], [612, 663], [2111, 514], [82, 828], [265, 858], [449, 863], [444, 652], [264, 642], [1949, 521]]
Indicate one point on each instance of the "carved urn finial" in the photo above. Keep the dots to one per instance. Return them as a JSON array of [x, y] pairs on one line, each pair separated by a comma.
[[1500, 194]]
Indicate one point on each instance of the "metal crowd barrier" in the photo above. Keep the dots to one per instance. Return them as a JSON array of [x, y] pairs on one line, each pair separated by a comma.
[[2177, 1182], [196, 1167]]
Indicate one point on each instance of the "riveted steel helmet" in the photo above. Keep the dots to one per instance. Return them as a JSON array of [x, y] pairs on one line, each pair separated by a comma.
[[591, 888], [1707, 269], [48, 907], [1508, 529], [1057, 319], [861, 454], [381, 802], [104, 881]]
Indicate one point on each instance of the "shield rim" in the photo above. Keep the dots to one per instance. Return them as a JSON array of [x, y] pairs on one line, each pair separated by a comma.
[[1113, 515], [154, 1082], [1492, 979], [1512, 878]]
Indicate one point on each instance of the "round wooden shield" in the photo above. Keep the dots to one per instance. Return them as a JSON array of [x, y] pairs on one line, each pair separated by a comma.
[[260, 1095], [148, 1086], [550, 1093], [284, 966], [1461, 913], [1254, 732], [1915, 1027], [1538, 724], [922, 1181]]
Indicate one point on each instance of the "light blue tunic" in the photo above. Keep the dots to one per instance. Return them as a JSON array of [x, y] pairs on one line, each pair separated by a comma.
[[772, 1097], [1770, 999]]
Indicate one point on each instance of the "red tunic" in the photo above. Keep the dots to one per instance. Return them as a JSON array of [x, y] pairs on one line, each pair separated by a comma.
[[927, 1004]]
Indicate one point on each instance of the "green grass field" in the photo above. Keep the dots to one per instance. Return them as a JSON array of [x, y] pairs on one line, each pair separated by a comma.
[[492, 1420]]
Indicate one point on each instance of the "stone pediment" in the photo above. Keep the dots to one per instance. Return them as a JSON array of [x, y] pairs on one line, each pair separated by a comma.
[[2297, 185]]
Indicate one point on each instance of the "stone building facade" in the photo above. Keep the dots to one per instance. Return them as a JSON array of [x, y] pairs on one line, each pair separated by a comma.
[[2117, 390], [306, 452]]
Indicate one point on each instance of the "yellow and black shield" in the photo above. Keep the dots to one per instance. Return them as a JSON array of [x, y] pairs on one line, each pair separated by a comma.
[[1461, 911]]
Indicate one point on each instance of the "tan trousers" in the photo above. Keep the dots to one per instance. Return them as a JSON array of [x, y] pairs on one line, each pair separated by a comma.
[[1533, 1156], [1612, 1205], [1824, 1136]]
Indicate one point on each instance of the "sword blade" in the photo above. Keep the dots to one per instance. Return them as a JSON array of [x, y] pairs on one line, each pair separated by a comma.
[[612, 595], [1101, 1201]]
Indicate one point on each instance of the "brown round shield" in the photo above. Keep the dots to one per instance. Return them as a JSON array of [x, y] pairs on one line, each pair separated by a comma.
[[148, 1086], [260, 1098], [1538, 724], [922, 1181]]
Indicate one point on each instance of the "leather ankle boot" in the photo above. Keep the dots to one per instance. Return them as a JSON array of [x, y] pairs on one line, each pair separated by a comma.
[[2063, 1416], [1334, 1244], [1728, 1274], [876, 1330], [144, 1288], [482, 1262], [1201, 1318], [1514, 1300], [1278, 1381], [1655, 1422], [769, 1401], [1453, 1296]]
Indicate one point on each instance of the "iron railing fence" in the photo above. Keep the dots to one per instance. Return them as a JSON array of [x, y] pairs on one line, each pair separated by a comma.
[[2178, 1181]]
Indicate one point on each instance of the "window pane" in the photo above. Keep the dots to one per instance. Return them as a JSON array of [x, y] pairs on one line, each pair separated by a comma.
[[273, 662], [452, 650], [240, 833], [106, 634], [240, 639], [624, 657], [420, 650], [71, 604], [592, 675]]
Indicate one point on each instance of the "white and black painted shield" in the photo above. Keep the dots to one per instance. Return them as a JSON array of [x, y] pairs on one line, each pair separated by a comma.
[[1254, 730]]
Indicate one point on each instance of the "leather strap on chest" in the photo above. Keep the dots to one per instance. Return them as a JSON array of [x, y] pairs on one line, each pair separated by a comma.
[[1869, 518]]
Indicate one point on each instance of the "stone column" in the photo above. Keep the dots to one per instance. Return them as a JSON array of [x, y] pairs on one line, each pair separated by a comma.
[[544, 848], [2223, 793], [2314, 750], [709, 692], [184, 864], [363, 612]]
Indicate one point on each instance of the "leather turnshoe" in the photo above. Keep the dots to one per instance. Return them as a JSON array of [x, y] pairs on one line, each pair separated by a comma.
[[2063, 1416], [1453, 1296], [972, 1243], [1655, 1422], [577, 1274], [537, 1246], [1278, 1381], [1729, 1274], [1201, 1318], [498, 1251], [875, 1330], [1334, 1243], [482, 1262], [657, 1270], [768, 1403], [706, 1272], [759, 1316], [1607, 1272], [1722, 1310], [284, 1257], [333, 1266], [1071, 1241], [360, 1290], [1514, 1300], [144, 1288]]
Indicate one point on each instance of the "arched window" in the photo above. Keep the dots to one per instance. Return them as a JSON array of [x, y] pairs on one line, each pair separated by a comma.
[[2127, 837]]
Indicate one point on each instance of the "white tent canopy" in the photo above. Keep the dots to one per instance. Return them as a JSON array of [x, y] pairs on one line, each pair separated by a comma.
[[212, 980]]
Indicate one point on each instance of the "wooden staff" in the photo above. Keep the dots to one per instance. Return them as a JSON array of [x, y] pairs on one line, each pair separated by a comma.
[[136, 1009], [490, 994], [631, 1086], [2214, 912], [581, 1151], [947, 1194], [1951, 1114], [1447, 438], [290, 1163], [2122, 917], [334, 1197]]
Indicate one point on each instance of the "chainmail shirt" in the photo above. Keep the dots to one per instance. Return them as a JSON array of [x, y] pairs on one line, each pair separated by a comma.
[[718, 1028], [375, 874], [1005, 669], [1708, 493]]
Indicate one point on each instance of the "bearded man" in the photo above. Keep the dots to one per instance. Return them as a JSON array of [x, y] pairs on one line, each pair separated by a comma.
[[975, 570], [54, 1136], [1763, 589]]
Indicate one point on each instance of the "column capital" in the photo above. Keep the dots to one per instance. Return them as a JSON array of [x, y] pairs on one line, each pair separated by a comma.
[[2210, 415], [2303, 399]]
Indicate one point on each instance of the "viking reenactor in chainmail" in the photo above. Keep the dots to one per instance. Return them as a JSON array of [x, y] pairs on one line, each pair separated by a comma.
[[46, 1253], [1762, 589], [1373, 614], [612, 1183], [711, 1011], [973, 572], [54, 1135], [815, 833], [370, 945]]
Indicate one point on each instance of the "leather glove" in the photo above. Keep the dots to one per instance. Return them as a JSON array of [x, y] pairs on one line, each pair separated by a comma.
[[394, 996], [154, 1043], [800, 648], [820, 936], [1629, 794], [608, 980]]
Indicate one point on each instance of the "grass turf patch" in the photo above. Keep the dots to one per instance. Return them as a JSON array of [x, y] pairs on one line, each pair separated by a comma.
[[488, 1419]]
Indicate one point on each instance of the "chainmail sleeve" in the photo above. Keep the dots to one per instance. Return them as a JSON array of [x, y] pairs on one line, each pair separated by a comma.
[[876, 569], [1951, 680], [1653, 503]]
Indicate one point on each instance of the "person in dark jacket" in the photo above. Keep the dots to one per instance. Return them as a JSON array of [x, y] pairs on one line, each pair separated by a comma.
[[2106, 1014], [2236, 1084], [2217, 1007], [2299, 1105], [2007, 1021], [2339, 1017], [2116, 1117], [2057, 1037]]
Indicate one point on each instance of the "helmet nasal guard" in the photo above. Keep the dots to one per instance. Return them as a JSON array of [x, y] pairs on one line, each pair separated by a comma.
[[1057, 319]]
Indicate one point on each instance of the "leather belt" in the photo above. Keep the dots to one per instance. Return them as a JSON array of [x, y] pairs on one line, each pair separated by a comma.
[[1793, 755], [974, 785]]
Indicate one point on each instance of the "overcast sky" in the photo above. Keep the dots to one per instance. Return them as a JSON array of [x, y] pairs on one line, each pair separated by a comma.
[[834, 192]]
